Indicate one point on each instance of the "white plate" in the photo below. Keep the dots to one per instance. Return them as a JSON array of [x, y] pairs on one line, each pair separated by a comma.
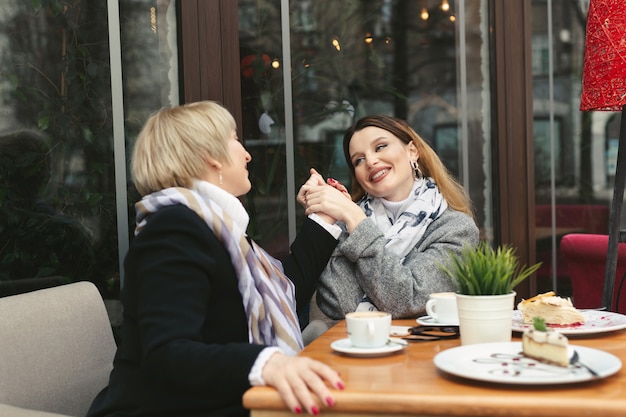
[[345, 346], [595, 322], [429, 321], [504, 363]]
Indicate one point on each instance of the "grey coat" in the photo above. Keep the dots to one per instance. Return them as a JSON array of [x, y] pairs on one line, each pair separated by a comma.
[[361, 265]]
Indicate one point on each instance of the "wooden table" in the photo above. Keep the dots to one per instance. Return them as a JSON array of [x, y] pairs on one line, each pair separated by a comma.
[[407, 383]]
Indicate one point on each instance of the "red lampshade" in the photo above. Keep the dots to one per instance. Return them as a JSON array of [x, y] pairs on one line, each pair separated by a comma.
[[604, 71]]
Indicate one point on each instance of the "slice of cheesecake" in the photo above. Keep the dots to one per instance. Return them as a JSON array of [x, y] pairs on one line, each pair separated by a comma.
[[545, 345]]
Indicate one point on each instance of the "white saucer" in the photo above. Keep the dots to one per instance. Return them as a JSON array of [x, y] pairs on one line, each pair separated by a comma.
[[429, 321], [345, 346]]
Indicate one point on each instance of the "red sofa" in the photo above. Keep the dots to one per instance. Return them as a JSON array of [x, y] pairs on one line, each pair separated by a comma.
[[586, 259]]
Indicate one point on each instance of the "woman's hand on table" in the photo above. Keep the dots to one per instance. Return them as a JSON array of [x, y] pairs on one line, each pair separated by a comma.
[[299, 380]]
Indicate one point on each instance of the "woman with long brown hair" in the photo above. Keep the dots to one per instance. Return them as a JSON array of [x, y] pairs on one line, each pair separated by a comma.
[[408, 216]]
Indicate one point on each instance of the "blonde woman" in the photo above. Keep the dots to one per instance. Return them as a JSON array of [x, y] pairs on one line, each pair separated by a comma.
[[207, 312], [410, 215]]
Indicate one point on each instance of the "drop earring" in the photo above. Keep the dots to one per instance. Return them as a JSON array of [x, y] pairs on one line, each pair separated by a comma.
[[219, 176], [417, 170]]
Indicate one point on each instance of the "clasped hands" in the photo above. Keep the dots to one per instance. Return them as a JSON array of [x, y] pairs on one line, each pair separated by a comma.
[[330, 200]]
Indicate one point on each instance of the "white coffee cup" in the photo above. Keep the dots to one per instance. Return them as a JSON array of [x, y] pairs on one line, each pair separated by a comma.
[[441, 307], [368, 329]]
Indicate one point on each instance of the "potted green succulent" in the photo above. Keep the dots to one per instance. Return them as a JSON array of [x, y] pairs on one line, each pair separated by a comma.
[[486, 278]]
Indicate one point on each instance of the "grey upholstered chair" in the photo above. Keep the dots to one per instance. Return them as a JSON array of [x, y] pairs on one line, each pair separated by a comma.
[[56, 351]]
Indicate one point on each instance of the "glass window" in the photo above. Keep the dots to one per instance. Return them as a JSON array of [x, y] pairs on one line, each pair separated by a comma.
[[58, 117], [541, 54], [424, 61], [574, 158]]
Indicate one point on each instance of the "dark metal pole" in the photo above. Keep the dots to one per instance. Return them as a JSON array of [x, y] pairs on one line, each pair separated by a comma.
[[614, 217]]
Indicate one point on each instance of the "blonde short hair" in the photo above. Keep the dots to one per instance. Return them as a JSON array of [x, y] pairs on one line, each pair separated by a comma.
[[173, 146]]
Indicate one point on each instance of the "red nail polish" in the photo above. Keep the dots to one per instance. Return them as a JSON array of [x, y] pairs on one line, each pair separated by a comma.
[[332, 181], [329, 401], [340, 385], [298, 410], [314, 410]]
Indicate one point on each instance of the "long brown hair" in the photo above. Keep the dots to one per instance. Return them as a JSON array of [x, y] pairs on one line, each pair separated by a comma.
[[429, 162]]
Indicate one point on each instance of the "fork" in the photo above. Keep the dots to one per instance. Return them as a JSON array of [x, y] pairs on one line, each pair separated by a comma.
[[575, 360]]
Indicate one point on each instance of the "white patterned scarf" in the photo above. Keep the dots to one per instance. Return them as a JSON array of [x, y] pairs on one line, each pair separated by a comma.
[[268, 295], [424, 205]]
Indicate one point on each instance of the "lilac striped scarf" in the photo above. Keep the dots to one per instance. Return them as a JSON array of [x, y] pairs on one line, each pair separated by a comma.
[[268, 295]]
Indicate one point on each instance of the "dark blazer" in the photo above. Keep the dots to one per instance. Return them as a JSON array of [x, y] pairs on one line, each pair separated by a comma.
[[184, 340]]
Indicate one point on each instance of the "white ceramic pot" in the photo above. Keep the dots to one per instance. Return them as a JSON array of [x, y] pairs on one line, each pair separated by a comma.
[[485, 318]]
